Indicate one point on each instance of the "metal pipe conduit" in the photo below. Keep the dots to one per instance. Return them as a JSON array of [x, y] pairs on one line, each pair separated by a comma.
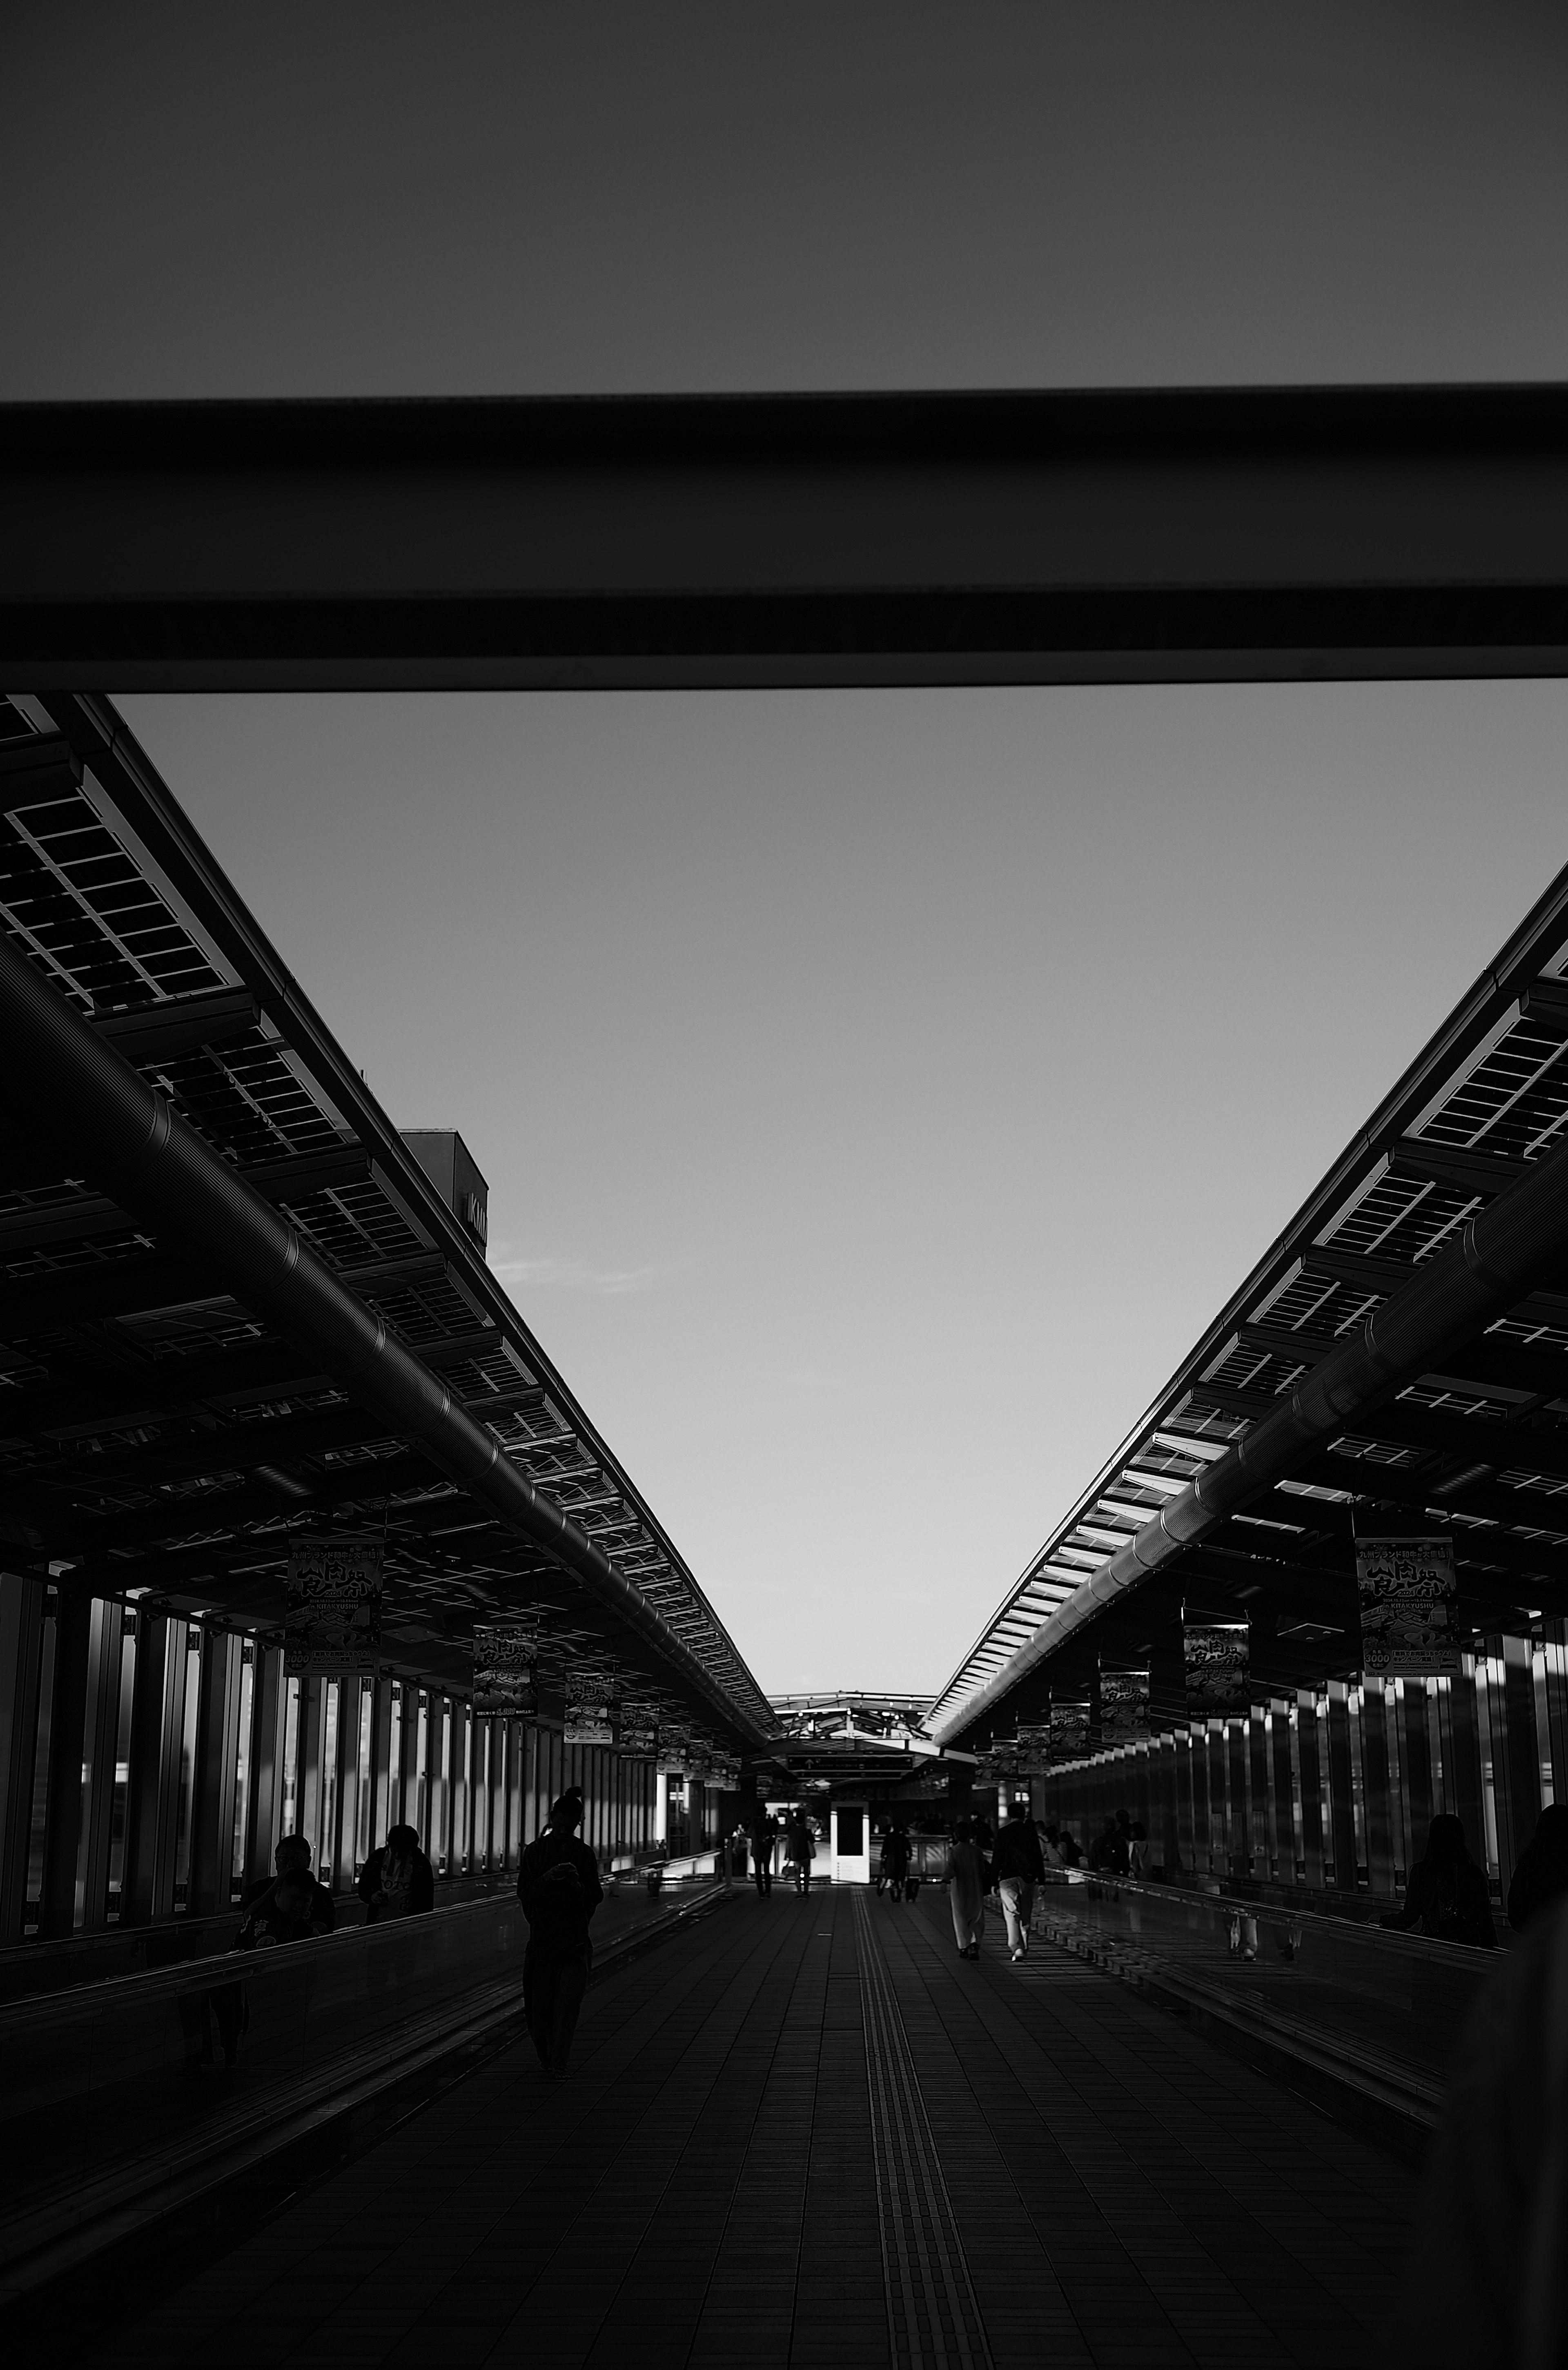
[[1496, 1261], [87, 1095]]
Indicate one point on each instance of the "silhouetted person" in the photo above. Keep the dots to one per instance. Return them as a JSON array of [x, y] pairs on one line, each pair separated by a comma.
[[558, 1886], [969, 1881], [283, 1916], [1137, 1850], [764, 1837], [802, 1850], [1446, 1895], [397, 1881], [1488, 2276], [1068, 1849], [896, 1850], [1107, 1854], [1018, 1866], [1542, 1876], [293, 1854]]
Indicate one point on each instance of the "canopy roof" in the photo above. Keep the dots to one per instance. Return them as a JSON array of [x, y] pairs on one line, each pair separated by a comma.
[[1399, 1358], [161, 1432]]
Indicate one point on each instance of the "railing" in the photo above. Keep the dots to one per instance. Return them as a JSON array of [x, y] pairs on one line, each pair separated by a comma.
[[1393, 2002], [119, 2090]]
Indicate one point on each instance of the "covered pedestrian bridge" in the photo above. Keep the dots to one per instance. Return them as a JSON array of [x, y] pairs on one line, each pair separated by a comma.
[[245, 1312]]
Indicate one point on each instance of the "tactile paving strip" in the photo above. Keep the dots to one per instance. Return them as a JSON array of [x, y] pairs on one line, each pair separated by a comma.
[[933, 2314]]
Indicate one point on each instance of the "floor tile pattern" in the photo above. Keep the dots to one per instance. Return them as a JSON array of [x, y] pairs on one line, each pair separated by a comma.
[[702, 2188], [934, 2321]]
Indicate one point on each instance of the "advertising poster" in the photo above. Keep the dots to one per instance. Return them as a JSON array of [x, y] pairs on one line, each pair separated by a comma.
[[506, 1671], [1216, 1670], [640, 1731], [591, 1709], [1408, 1591], [334, 1618], [1033, 1750], [1069, 1729], [1124, 1707], [674, 1745]]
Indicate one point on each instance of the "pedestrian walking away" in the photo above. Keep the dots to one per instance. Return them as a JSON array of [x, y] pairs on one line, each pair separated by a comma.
[[802, 1850], [896, 1862], [557, 1884], [1018, 1866], [764, 1841], [969, 1881]]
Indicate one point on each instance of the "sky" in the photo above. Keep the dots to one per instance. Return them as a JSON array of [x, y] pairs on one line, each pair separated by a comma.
[[879, 1091]]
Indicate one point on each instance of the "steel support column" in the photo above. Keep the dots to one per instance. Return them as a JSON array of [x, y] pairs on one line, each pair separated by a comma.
[[67, 1725], [1310, 1762], [214, 1779], [158, 1736], [1342, 1797], [1515, 1762], [1376, 1792], [21, 1662], [99, 1753]]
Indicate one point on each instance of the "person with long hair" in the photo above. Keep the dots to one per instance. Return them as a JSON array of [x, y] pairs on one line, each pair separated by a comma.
[[1446, 1895], [969, 1881]]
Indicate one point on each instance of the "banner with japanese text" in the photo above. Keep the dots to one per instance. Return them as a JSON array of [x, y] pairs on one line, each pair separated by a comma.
[[506, 1670], [1409, 1590], [332, 1619], [1218, 1670], [1124, 1707], [1069, 1729]]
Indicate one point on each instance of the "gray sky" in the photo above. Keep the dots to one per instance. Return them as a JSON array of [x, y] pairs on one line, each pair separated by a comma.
[[878, 1091], [354, 199]]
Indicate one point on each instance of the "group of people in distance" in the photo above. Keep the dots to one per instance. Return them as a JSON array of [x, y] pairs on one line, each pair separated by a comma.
[[799, 1849]]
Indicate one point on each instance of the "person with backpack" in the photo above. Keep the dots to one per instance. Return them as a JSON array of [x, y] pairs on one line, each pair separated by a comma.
[[1446, 1895], [558, 1886]]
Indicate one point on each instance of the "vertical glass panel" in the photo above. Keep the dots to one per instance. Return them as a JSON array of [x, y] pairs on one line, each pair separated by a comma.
[[366, 1802], [41, 1766], [243, 1778], [187, 1769], [326, 1844], [122, 1765], [291, 1758]]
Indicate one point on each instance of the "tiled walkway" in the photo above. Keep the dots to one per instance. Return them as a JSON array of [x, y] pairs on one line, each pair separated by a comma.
[[703, 2187]]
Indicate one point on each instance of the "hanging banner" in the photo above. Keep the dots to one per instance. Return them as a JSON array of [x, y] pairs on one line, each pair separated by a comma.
[[1217, 1663], [640, 1731], [1124, 1707], [590, 1711], [1069, 1729], [1408, 1598], [674, 1745], [506, 1671], [1033, 1747], [333, 1605], [725, 1773]]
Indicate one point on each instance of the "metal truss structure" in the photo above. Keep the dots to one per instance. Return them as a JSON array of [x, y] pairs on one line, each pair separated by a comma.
[[1400, 1356], [170, 1414]]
